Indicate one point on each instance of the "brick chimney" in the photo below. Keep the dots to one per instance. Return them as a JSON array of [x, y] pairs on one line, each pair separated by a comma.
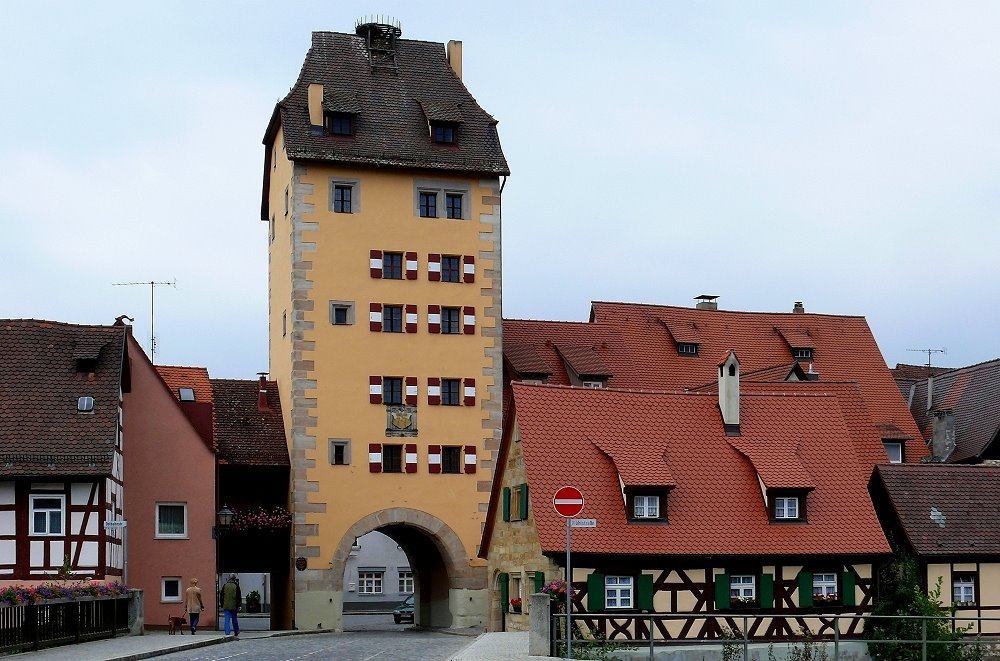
[[729, 394], [455, 57], [315, 103], [943, 441], [798, 308], [706, 302], [262, 393]]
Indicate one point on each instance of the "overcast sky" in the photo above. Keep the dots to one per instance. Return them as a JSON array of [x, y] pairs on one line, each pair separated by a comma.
[[843, 154]]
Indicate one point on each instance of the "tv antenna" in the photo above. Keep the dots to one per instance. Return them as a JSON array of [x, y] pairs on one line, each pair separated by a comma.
[[152, 287], [929, 352]]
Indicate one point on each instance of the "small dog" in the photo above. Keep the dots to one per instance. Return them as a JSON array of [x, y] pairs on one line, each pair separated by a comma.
[[176, 624]]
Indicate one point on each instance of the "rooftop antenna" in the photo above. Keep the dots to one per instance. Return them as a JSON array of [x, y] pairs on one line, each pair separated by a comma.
[[929, 352], [152, 287]]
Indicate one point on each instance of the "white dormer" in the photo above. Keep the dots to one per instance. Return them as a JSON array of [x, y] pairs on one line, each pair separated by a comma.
[[729, 393]]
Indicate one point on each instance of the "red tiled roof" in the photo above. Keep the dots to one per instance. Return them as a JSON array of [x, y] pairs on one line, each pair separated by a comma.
[[798, 338], [635, 468], [246, 435], [681, 437], [583, 360], [946, 510], [195, 378], [41, 431]]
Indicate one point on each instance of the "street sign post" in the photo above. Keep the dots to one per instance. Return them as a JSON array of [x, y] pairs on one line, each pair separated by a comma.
[[568, 502], [115, 525]]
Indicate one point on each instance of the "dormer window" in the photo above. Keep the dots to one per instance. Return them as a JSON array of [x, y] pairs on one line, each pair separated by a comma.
[[802, 353], [687, 349], [894, 449], [593, 384], [86, 365], [185, 394], [443, 132], [338, 123], [787, 507], [85, 405], [646, 504]]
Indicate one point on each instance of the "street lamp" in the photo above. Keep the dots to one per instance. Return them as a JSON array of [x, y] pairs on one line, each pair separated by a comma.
[[224, 517]]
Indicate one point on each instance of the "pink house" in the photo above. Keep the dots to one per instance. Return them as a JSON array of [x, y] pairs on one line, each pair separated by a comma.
[[170, 476]]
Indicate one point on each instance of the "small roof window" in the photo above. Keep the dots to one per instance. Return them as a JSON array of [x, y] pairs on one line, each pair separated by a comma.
[[186, 394], [443, 132], [85, 405]]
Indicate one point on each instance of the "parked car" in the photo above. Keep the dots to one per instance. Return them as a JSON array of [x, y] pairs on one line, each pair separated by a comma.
[[404, 611]]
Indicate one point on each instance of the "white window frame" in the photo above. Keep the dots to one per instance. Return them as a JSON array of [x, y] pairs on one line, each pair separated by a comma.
[[593, 384], [896, 455], [646, 507], [786, 508], [802, 353], [406, 581], [963, 590], [825, 584], [62, 514], [163, 535], [743, 586], [163, 590], [370, 582], [619, 592]]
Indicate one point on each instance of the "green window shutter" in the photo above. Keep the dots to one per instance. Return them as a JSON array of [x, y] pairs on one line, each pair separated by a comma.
[[645, 592], [805, 589], [506, 503], [721, 591], [847, 582], [504, 593], [539, 581], [595, 593], [766, 591], [523, 503]]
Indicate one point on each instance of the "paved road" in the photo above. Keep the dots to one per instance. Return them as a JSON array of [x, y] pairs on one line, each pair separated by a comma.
[[366, 638]]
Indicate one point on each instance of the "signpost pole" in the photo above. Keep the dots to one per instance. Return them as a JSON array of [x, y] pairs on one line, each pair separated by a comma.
[[569, 592]]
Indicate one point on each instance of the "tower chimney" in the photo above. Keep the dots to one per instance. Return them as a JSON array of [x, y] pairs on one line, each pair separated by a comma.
[[455, 57], [706, 302], [798, 308], [729, 393], [262, 392]]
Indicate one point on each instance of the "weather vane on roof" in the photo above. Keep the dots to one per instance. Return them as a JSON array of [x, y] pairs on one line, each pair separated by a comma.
[[152, 286]]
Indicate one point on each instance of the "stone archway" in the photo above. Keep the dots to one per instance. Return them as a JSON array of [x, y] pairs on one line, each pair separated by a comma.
[[451, 592]]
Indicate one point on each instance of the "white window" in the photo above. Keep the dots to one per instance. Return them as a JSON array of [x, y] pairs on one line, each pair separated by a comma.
[[964, 590], [618, 592], [171, 520], [48, 515], [895, 452], [170, 589], [825, 585], [593, 384], [786, 507], [646, 507], [742, 587], [370, 582], [405, 582]]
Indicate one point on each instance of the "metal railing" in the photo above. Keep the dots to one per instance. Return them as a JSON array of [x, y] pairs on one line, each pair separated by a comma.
[[63, 622], [596, 635]]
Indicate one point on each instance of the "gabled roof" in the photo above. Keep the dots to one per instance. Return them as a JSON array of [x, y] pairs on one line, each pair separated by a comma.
[[973, 395], [393, 110], [41, 431], [245, 434], [196, 378], [681, 437], [637, 344], [538, 340], [945, 510]]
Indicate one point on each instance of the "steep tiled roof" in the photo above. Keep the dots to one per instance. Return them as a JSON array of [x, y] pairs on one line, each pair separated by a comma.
[[946, 510], [635, 468], [973, 395], [196, 378], [681, 437], [541, 338], [246, 435], [393, 109], [636, 343], [583, 360], [917, 372], [41, 432]]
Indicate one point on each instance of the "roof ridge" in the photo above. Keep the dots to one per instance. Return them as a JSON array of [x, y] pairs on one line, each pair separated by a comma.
[[559, 386], [753, 312]]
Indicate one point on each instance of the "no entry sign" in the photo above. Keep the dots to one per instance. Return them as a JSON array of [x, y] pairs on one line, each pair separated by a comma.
[[568, 501]]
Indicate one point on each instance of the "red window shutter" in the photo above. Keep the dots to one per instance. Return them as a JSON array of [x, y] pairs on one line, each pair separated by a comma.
[[375, 263], [411, 391], [469, 268], [433, 391], [375, 457], [433, 318], [375, 317], [434, 267], [469, 319], [470, 392], [411, 457], [411, 266], [375, 389], [470, 458], [434, 458], [411, 318]]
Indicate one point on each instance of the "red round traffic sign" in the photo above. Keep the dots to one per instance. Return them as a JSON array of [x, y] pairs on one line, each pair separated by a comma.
[[568, 501]]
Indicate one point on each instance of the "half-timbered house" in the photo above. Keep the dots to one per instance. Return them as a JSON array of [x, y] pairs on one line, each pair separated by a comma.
[[61, 438]]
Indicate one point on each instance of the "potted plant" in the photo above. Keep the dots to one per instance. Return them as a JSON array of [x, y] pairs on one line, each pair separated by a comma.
[[253, 602], [515, 605]]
